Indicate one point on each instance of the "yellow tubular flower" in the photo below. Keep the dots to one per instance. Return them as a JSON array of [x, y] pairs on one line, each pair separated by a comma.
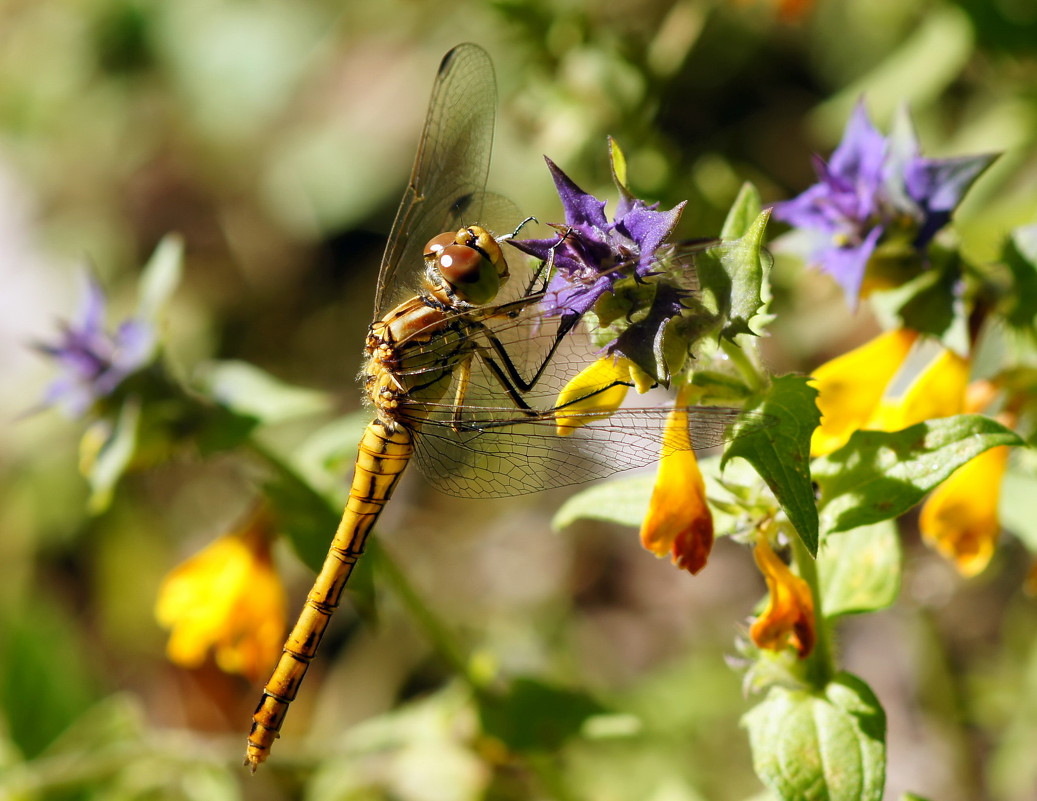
[[227, 598], [789, 616], [959, 519], [938, 391], [851, 386], [584, 397], [679, 521]]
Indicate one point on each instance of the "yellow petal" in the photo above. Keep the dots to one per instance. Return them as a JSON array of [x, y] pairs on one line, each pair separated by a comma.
[[592, 394], [789, 616], [851, 386], [226, 599], [938, 391], [959, 519], [679, 521]]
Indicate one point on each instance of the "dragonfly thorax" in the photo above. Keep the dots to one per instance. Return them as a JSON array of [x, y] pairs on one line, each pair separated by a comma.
[[465, 267]]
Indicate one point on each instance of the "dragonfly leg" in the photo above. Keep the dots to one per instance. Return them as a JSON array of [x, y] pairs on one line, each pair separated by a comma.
[[565, 325], [463, 374]]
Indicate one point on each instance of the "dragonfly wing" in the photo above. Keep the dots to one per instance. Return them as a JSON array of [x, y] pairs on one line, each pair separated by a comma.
[[499, 459], [449, 174], [493, 431]]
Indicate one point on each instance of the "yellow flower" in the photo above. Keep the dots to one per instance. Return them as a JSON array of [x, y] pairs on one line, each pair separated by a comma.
[[959, 519], [850, 387], [597, 391], [228, 599], [789, 616], [679, 521], [938, 391]]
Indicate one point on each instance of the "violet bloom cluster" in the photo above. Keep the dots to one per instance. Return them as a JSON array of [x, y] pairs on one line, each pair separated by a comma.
[[93, 362], [591, 255], [874, 186]]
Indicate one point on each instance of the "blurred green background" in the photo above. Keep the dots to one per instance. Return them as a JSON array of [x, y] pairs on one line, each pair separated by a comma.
[[276, 137]]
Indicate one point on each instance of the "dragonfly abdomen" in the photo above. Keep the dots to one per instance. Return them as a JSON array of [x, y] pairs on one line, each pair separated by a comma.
[[381, 458]]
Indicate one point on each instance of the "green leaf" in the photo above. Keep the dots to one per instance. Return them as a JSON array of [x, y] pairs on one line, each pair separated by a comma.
[[623, 501], [1020, 256], [1017, 507], [827, 746], [879, 475], [731, 277], [160, 277], [743, 213], [251, 392], [534, 716], [930, 303], [859, 570], [780, 452], [106, 452], [303, 516], [307, 494], [45, 681]]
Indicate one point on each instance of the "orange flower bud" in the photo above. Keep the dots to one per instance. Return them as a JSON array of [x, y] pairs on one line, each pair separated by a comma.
[[789, 616], [679, 521]]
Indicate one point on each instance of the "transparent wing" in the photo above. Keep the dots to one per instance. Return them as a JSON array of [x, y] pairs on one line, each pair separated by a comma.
[[449, 175], [493, 432]]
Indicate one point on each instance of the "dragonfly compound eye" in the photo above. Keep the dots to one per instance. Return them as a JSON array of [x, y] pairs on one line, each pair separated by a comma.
[[437, 243], [470, 274]]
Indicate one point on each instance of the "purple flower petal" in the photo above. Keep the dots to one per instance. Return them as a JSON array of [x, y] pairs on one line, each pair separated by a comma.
[[92, 362], [870, 182], [938, 185], [591, 255]]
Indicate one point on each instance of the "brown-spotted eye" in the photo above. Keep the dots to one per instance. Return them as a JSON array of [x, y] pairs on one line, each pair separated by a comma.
[[437, 243], [460, 264]]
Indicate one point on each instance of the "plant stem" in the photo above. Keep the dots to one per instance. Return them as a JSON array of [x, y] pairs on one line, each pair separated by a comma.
[[440, 635], [820, 667], [741, 359]]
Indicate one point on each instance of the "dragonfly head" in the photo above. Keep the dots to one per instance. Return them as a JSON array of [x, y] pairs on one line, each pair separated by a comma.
[[468, 264]]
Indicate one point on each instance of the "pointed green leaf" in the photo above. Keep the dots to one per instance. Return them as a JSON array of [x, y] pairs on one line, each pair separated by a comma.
[[532, 715], [743, 212], [160, 277], [780, 452], [879, 475], [860, 569], [731, 277], [252, 392], [827, 746], [106, 451], [623, 500], [1020, 256]]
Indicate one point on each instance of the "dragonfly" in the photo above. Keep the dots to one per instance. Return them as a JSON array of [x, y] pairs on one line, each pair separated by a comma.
[[463, 369]]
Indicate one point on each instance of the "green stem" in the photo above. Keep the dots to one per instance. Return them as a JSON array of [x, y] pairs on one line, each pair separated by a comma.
[[439, 634], [740, 358], [820, 667]]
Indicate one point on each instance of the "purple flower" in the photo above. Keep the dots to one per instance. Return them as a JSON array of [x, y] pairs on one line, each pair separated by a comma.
[[875, 186], [591, 256], [93, 363]]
